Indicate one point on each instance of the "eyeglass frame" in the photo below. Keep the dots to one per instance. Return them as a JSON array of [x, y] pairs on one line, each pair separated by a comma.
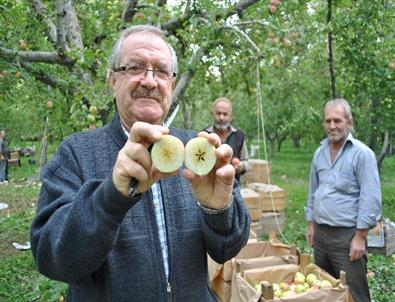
[[124, 68]]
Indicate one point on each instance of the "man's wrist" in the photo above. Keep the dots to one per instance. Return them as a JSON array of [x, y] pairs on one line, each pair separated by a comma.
[[211, 211]]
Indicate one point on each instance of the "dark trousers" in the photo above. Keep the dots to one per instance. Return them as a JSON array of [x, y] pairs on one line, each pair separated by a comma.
[[331, 253]]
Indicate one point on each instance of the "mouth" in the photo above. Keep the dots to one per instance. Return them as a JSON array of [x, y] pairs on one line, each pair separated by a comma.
[[147, 98]]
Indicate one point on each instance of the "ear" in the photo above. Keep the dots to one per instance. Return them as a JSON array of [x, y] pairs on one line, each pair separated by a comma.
[[111, 79], [173, 85], [350, 123]]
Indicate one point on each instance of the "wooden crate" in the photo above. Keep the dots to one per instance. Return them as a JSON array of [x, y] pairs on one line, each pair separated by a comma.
[[272, 222], [14, 160], [389, 243], [251, 198], [260, 166], [271, 197], [260, 171]]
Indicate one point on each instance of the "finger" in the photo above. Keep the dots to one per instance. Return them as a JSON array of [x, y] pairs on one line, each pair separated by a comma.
[[188, 174], [224, 155], [226, 174], [146, 134], [138, 153], [352, 256], [157, 175], [211, 137]]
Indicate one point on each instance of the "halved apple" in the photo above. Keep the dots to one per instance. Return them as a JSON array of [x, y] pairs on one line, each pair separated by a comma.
[[167, 154], [200, 156]]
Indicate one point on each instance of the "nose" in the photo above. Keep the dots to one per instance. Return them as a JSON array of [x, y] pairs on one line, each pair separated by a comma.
[[332, 124], [148, 79]]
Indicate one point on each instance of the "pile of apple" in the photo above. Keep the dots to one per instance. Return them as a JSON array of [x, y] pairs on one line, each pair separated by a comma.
[[300, 284]]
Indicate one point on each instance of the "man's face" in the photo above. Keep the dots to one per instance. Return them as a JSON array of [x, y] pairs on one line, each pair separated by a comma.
[[222, 115], [138, 97], [336, 125]]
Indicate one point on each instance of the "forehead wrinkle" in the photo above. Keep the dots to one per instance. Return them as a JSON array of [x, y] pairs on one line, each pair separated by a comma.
[[140, 48]]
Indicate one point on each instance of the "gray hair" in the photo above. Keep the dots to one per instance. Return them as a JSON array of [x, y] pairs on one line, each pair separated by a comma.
[[117, 50], [343, 103], [220, 100]]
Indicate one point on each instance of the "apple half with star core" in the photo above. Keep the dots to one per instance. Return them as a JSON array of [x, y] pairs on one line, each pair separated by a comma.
[[167, 154], [200, 156]]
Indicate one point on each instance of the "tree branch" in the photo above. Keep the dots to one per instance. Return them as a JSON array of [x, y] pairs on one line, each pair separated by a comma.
[[129, 9], [46, 79], [73, 33], [42, 14], [37, 56], [240, 7], [60, 26]]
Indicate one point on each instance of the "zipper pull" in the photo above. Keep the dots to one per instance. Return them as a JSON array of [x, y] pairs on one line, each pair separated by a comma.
[[168, 288]]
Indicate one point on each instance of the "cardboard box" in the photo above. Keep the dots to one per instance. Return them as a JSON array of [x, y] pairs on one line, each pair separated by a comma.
[[254, 254], [243, 287]]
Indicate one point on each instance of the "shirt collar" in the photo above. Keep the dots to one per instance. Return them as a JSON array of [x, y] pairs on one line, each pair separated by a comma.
[[211, 128]]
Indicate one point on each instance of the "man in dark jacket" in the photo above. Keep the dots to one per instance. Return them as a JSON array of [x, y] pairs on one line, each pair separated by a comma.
[[222, 114], [115, 228]]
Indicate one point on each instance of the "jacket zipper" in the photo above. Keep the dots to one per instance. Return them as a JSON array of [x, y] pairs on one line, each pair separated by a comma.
[[168, 291]]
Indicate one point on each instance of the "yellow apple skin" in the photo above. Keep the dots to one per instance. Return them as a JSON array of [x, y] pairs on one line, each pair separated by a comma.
[[326, 284], [299, 278], [310, 278]]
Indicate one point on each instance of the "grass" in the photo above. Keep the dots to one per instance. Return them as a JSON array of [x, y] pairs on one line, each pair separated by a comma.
[[290, 171], [20, 282]]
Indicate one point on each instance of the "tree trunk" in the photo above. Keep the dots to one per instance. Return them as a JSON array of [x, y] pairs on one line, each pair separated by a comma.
[[296, 141], [44, 146], [330, 52], [383, 150]]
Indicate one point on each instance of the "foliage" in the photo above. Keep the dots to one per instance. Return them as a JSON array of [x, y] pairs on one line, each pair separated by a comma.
[[272, 65]]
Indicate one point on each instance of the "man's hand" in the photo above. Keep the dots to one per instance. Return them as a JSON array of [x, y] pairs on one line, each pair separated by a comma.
[[358, 245], [310, 234], [235, 162], [134, 160], [214, 190]]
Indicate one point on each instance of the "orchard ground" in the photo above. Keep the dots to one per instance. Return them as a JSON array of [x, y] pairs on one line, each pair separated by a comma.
[[20, 282]]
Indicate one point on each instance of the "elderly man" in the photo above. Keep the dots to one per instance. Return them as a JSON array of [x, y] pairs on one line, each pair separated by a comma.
[[113, 241], [222, 115], [344, 200]]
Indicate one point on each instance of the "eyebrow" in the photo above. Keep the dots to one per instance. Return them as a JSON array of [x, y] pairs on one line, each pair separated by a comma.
[[160, 63]]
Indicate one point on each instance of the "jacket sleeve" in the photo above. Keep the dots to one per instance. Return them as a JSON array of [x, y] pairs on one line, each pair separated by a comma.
[[226, 233], [77, 222]]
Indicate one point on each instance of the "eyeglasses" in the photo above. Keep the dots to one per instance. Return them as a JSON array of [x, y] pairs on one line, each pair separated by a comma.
[[140, 70]]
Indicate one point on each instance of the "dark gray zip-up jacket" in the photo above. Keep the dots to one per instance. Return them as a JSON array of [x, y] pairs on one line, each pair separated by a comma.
[[106, 246]]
